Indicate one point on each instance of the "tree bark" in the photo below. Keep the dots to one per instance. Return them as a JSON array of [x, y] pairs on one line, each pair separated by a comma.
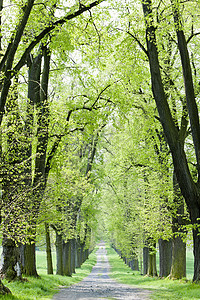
[[67, 250], [48, 250], [73, 255], [165, 257], [145, 260], [10, 260], [178, 269], [59, 254], [152, 269], [78, 253], [29, 259]]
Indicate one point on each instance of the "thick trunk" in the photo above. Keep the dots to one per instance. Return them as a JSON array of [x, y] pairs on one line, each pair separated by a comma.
[[67, 270], [165, 257], [59, 254], [145, 260], [10, 260], [48, 250], [178, 269], [30, 260]]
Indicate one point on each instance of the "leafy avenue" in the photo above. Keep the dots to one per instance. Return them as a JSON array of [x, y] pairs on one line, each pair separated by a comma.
[[100, 133]]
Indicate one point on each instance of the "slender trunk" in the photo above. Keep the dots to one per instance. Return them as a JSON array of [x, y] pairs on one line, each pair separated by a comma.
[[59, 254], [165, 257], [149, 259], [48, 250], [152, 270], [82, 245], [73, 255], [78, 253]]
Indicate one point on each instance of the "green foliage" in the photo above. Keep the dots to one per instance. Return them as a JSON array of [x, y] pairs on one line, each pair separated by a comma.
[[136, 190], [99, 78]]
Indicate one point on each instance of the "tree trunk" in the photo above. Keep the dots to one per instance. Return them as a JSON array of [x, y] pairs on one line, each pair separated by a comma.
[[73, 255], [152, 270], [195, 217], [59, 254], [145, 260], [178, 269], [29, 259], [149, 259], [48, 250], [10, 260], [82, 246], [67, 270], [78, 254], [134, 264], [165, 257]]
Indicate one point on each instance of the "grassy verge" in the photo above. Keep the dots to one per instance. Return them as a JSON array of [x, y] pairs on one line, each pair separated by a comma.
[[164, 289], [47, 285]]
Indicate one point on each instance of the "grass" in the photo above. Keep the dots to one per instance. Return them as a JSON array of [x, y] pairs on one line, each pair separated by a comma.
[[164, 289], [46, 286]]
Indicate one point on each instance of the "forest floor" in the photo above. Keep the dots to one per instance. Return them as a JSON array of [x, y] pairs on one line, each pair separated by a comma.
[[98, 285]]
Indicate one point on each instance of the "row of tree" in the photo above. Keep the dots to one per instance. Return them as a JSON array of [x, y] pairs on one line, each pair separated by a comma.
[[161, 141], [83, 122]]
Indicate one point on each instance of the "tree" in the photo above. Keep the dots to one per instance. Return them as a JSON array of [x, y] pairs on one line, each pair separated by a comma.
[[189, 187]]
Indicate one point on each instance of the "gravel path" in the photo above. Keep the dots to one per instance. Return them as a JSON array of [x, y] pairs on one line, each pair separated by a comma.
[[98, 285]]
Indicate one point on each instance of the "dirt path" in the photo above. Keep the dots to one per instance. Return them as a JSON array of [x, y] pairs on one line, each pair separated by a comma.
[[98, 285]]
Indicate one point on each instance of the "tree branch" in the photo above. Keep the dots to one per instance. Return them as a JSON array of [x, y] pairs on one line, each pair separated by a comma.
[[71, 15]]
